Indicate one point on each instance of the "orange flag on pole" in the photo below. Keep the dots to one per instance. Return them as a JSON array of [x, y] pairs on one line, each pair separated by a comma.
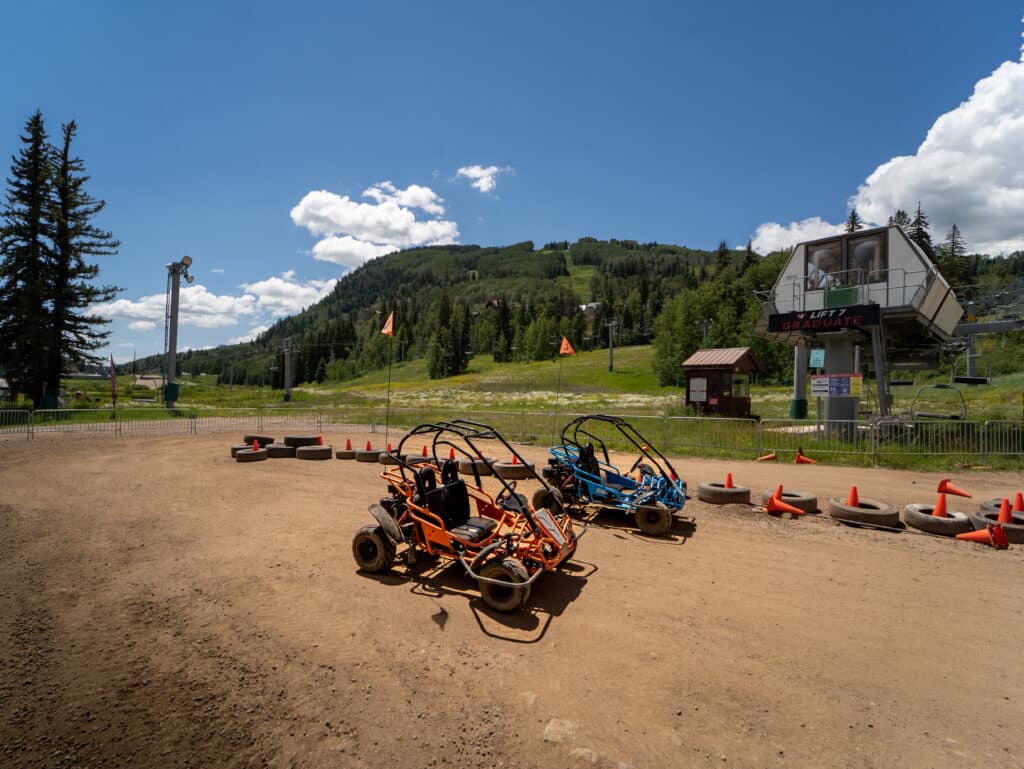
[[389, 329], [566, 348]]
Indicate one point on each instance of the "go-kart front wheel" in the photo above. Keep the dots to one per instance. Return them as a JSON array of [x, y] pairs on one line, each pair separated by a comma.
[[373, 550], [502, 597], [654, 520]]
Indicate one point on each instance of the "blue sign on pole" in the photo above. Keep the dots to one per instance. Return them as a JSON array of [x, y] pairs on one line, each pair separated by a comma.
[[818, 357]]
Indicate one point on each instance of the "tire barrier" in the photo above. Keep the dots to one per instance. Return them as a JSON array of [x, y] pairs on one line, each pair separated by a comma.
[[239, 447], [265, 440], [391, 458], [345, 454], [280, 450], [867, 511], [1014, 531], [367, 455], [717, 493], [301, 440], [466, 466], [798, 499], [921, 517], [250, 455], [314, 452], [513, 471]]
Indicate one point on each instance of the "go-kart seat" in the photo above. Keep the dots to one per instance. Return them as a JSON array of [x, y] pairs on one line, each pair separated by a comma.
[[426, 482], [588, 461]]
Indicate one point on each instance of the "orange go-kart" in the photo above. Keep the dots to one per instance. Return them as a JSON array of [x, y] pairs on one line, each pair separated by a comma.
[[502, 541]]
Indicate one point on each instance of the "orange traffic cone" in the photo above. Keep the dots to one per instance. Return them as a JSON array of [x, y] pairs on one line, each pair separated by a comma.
[[945, 487], [424, 452], [368, 446], [348, 444], [800, 459], [515, 459], [853, 500], [255, 445], [776, 505], [991, 535], [1005, 516], [728, 481], [777, 494], [1018, 503], [389, 447], [319, 440], [767, 458], [451, 453], [939, 511]]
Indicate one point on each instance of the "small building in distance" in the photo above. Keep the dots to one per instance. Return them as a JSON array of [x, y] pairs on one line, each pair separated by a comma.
[[718, 381]]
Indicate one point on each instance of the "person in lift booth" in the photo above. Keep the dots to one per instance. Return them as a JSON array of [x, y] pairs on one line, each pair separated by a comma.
[[824, 274]]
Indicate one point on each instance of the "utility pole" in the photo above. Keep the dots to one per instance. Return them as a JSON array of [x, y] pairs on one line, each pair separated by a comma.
[[175, 272], [287, 371], [612, 324]]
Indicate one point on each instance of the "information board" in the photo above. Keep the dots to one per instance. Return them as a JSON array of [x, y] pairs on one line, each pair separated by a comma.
[[837, 385]]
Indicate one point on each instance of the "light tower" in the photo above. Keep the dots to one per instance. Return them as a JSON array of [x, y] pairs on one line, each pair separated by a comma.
[[175, 272]]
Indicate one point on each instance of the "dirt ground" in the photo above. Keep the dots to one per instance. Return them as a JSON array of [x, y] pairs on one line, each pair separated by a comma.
[[164, 606]]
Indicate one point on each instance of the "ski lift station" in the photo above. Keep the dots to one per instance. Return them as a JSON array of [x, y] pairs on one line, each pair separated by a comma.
[[872, 290]]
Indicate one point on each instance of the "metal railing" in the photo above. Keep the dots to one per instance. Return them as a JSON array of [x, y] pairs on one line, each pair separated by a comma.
[[890, 442]]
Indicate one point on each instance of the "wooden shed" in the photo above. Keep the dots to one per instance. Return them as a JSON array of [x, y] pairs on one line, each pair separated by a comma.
[[718, 381]]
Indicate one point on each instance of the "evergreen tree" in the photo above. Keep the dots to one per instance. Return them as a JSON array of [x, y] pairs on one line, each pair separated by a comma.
[[74, 335], [952, 258], [749, 257], [854, 222], [25, 255], [901, 219], [920, 233], [722, 259], [321, 370]]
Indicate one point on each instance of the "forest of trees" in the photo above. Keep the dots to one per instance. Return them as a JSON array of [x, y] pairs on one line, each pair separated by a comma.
[[47, 283]]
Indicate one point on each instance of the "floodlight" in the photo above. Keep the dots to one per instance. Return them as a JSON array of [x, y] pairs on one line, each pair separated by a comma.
[[186, 260], [189, 279]]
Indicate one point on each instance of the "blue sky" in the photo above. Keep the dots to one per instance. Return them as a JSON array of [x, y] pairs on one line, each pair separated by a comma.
[[281, 144]]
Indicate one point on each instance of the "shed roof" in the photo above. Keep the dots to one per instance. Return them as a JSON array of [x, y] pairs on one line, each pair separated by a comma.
[[726, 356]]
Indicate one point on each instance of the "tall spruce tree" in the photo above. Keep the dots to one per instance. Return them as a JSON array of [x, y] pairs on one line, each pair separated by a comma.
[[853, 221], [952, 259], [722, 259], [25, 257], [920, 232], [74, 334], [900, 218]]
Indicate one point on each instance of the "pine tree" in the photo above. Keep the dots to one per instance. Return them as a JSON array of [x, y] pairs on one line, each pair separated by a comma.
[[953, 257], [900, 218], [25, 256], [73, 334], [722, 260], [920, 233], [854, 222], [321, 370], [749, 258]]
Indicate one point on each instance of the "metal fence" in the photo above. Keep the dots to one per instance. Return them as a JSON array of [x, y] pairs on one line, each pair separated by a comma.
[[885, 442]]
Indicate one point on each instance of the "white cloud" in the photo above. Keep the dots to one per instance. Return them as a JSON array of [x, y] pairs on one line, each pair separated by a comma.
[[197, 307], [968, 171], [347, 251], [284, 295], [254, 332], [217, 270], [413, 196], [142, 325], [774, 237], [483, 178], [352, 232]]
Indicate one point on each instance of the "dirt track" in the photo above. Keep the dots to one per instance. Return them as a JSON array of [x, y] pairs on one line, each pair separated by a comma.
[[162, 605]]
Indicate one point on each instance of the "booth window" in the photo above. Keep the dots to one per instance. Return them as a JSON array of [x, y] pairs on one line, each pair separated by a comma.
[[868, 259], [824, 265]]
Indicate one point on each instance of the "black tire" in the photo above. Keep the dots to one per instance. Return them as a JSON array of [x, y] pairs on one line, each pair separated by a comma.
[[314, 452], [390, 458], [249, 455], [1014, 531], [513, 472], [715, 493], [279, 450], [240, 447], [654, 520], [920, 517], [265, 440], [301, 440], [466, 466], [499, 597], [345, 454], [870, 511], [367, 456], [798, 499], [548, 500], [995, 505], [372, 549]]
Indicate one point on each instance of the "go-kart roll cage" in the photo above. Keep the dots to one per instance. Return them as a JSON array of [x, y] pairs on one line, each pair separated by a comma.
[[571, 436]]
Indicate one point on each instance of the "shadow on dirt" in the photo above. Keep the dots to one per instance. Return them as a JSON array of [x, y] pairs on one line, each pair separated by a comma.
[[619, 521]]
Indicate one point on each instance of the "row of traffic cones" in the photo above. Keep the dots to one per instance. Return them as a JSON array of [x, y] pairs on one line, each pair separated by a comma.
[[993, 534], [799, 459]]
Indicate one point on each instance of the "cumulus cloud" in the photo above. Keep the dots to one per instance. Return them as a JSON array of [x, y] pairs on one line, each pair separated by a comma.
[[284, 295], [775, 237], [352, 232], [413, 196], [142, 325], [483, 178], [217, 270], [197, 307], [254, 332], [348, 251], [968, 171]]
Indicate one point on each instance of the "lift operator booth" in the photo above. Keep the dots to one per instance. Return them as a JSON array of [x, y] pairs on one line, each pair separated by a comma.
[[871, 288]]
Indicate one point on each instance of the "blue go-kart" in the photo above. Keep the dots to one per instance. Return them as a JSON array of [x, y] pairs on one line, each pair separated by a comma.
[[581, 470]]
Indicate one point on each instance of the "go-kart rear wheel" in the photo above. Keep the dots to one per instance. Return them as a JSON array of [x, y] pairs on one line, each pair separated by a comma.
[[654, 520], [500, 597], [372, 549], [552, 500]]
